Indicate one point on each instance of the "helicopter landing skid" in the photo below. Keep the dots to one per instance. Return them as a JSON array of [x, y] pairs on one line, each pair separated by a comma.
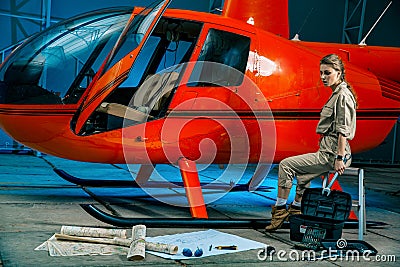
[[150, 184], [120, 221]]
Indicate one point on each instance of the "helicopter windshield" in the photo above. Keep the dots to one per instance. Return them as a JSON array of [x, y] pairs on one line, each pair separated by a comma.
[[56, 65]]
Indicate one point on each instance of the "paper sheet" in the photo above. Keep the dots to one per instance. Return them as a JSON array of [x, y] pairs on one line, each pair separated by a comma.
[[204, 240], [64, 248]]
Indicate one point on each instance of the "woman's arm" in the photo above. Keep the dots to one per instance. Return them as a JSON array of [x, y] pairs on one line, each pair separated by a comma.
[[339, 164]]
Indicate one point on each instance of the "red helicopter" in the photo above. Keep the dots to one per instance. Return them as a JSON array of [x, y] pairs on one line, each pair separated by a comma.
[[165, 86]]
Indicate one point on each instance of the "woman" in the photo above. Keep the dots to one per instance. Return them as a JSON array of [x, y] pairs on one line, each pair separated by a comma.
[[336, 126]]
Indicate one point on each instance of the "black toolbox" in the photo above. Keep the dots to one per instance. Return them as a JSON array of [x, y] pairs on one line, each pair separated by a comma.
[[323, 211]]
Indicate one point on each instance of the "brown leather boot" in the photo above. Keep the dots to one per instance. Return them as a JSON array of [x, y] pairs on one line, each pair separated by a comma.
[[279, 215], [293, 210]]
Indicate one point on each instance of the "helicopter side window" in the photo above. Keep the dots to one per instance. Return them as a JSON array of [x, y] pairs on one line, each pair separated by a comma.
[[229, 52]]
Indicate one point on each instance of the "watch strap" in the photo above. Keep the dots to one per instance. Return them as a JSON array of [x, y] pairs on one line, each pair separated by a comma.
[[339, 157]]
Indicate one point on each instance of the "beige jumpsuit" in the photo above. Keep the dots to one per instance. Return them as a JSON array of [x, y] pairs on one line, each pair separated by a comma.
[[337, 116]]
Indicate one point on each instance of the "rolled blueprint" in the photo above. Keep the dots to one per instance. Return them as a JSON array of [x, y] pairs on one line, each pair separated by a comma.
[[138, 247], [110, 241], [92, 232], [125, 242], [160, 247]]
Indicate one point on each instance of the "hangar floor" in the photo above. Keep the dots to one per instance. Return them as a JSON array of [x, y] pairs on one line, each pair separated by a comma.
[[35, 203]]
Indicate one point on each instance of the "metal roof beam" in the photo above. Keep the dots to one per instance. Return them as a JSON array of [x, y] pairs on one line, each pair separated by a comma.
[[349, 12]]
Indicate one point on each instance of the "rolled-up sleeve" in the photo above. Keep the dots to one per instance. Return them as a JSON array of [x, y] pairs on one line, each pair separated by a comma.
[[345, 121]]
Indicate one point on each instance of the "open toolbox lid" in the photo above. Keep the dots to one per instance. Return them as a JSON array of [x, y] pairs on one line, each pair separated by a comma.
[[336, 206]]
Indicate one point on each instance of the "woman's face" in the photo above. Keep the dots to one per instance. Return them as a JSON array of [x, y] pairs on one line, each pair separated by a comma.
[[329, 76]]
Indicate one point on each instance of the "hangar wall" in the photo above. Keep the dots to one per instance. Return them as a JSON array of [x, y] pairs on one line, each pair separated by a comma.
[[323, 21], [313, 20]]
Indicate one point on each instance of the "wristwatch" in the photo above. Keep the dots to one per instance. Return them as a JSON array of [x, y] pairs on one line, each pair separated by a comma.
[[339, 157]]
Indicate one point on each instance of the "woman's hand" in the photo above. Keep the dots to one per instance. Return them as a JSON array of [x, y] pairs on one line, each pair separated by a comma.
[[339, 166]]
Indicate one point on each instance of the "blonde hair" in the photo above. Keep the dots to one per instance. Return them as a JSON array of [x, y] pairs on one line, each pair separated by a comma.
[[336, 62]]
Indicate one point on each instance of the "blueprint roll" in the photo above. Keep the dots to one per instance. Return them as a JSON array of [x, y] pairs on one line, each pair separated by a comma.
[[110, 241], [92, 232], [160, 247], [137, 249]]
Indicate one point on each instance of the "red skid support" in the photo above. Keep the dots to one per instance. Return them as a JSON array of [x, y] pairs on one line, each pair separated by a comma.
[[191, 182]]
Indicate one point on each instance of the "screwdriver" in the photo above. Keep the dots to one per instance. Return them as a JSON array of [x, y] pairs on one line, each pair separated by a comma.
[[233, 247]]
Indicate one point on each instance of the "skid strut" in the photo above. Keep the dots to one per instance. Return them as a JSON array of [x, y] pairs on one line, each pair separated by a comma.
[[194, 194]]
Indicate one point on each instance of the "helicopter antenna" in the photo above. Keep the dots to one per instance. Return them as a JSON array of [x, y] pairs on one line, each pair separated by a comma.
[[296, 36], [373, 26]]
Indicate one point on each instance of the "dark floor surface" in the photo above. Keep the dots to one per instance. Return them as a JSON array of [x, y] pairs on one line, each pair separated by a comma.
[[35, 203]]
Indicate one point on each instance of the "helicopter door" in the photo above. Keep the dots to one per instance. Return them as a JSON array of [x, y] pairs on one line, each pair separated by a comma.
[[117, 66]]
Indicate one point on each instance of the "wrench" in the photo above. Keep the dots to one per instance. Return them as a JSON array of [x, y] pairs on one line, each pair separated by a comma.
[[327, 189]]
